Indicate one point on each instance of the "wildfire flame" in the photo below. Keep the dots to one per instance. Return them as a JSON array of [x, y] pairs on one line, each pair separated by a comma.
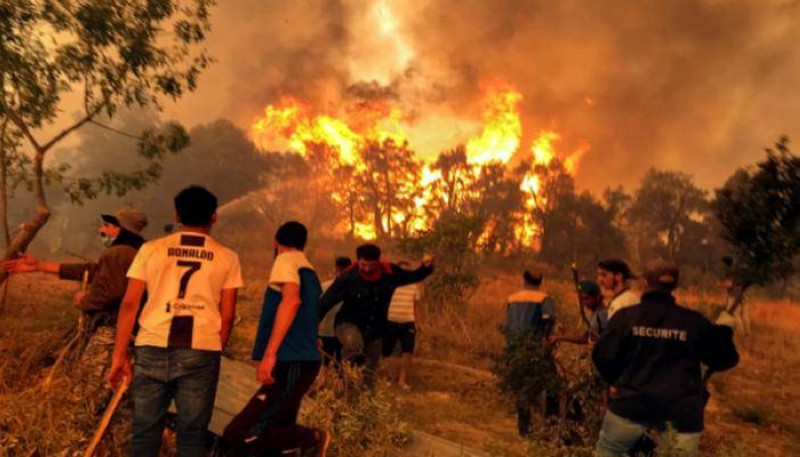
[[293, 124], [502, 131]]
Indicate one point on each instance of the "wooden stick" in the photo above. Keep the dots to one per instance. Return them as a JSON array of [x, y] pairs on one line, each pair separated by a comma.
[[112, 406], [85, 281], [63, 354], [73, 341]]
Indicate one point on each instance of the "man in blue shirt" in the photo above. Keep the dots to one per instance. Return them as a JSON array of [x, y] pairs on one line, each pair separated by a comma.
[[286, 346], [531, 311]]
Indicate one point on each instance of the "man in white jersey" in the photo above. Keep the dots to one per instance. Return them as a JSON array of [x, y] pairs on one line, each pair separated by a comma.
[[614, 276], [191, 282], [402, 327]]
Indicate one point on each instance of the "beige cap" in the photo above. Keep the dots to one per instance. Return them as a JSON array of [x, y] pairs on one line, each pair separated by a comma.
[[127, 217]]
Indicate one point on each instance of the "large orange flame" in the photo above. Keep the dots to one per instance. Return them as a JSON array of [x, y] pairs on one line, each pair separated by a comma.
[[502, 129], [294, 125]]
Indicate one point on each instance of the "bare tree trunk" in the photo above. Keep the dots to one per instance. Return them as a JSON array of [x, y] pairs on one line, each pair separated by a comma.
[[30, 229], [4, 185], [4, 201], [352, 210]]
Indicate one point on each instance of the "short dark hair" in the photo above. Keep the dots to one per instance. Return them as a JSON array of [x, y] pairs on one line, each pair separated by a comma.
[[368, 252], [662, 275], [616, 266], [343, 262], [534, 279], [195, 206], [292, 234]]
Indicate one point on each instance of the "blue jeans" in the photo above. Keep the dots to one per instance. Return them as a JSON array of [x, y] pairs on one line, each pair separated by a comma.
[[619, 435], [161, 375]]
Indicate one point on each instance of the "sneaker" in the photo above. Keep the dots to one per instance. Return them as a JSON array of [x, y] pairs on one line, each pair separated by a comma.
[[320, 448]]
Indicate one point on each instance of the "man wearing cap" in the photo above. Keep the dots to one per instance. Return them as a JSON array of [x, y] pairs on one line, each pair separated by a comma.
[[531, 310], [614, 277], [652, 354], [592, 300], [104, 283]]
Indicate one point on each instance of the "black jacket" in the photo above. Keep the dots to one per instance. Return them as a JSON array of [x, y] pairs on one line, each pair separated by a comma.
[[366, 303], [652, 354]]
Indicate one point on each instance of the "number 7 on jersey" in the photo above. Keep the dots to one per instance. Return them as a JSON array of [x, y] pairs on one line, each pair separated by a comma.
[[193, 267]]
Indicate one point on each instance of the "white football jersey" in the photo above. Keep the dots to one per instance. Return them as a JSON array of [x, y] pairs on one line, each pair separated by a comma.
[[184, 273]]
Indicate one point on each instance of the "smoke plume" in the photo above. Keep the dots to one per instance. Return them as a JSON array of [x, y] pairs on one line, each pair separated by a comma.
[[698, 86]]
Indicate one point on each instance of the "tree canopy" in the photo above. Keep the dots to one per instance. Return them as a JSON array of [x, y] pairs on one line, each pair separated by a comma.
[[759, 212], [108, 55]]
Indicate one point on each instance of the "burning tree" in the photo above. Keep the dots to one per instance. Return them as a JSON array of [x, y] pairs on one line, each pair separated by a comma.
[[389, 179], [383, 189], [451, 181], [113, 54]]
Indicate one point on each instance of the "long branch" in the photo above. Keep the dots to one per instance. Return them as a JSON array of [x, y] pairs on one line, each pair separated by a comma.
[[24, 129], [60, 136]]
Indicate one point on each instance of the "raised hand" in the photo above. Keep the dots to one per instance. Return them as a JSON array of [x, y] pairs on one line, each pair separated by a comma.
[[24, 264]]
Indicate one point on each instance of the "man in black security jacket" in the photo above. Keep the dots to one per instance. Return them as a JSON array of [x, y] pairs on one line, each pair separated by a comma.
[[651, 354], [365, 291]]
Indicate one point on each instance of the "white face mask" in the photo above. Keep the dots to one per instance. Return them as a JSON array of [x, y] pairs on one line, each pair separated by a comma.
[[106, 240]]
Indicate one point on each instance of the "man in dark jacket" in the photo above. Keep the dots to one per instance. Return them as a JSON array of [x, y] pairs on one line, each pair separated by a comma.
[[651, 353], [365, 291], [104, 284]]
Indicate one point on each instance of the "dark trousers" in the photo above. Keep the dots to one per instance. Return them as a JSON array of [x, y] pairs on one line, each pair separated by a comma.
[[268, 424], [161, 375], [551, 409], [332, 349], [360, 351]]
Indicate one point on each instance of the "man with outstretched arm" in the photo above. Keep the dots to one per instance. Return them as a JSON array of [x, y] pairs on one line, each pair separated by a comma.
[[365, 292], [192, 282], [104, 286], [652, 353], [286, 346]]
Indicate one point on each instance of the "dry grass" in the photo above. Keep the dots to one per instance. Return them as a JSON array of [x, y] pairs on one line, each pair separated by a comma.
[[752, 412]]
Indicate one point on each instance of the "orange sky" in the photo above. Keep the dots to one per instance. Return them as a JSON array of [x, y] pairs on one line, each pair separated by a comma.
[[695, 86]]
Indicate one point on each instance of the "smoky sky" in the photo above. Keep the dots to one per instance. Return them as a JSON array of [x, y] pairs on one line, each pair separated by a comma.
[[696, 86]]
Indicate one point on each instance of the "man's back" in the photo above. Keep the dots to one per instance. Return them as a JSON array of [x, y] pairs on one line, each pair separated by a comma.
[[652, 354], [184, 273], [300, 342], [529, 309]]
